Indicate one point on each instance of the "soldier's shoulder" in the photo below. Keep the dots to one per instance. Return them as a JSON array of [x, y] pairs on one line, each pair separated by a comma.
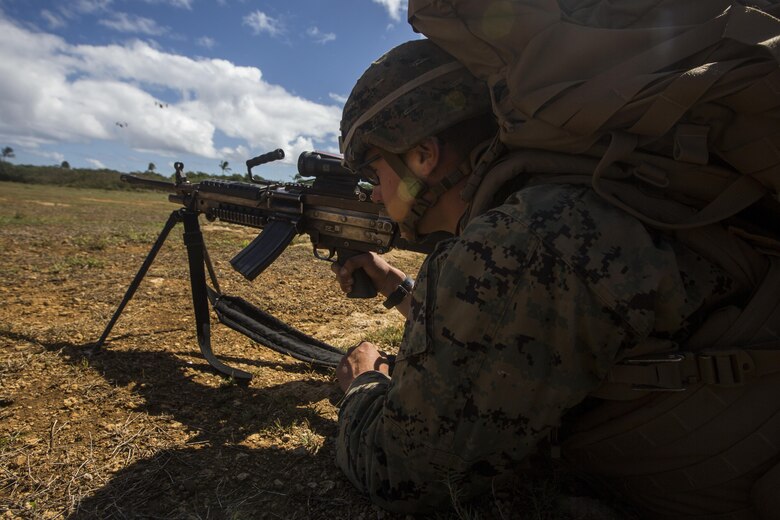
[[602, 243], [555, 207], [555, 213]]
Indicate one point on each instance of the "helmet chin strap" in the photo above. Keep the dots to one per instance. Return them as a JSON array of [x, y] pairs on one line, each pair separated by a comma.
[[423, 197]]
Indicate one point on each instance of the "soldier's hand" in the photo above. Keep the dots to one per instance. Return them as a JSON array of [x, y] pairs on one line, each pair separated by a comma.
[[384, 276], [359, 359]]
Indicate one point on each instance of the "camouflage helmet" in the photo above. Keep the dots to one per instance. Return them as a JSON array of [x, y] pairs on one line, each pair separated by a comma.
[[414, 91]]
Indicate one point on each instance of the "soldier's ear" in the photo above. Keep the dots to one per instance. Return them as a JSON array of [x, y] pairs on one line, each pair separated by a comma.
[[423, 158]]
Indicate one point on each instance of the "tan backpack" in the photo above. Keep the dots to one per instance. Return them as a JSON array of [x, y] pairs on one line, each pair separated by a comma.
[[670, 109], [697, 82]]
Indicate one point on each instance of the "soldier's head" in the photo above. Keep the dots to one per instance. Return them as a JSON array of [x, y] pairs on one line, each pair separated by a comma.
[[416, 112]]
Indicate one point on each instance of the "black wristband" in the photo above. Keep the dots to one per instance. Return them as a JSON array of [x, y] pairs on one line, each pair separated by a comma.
[[400, 293]]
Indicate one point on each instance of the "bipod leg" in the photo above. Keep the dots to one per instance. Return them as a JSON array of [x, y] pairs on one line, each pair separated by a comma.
[[172, 221], [193, 239], [210, 267]]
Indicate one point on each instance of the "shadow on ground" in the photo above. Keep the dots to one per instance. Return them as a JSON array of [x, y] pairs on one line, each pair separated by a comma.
[[251, 452]]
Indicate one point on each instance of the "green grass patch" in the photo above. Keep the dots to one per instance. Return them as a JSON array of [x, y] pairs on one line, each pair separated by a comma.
[[5, 443], [387, 337], [19, 218], [93, 242], [77, 262]]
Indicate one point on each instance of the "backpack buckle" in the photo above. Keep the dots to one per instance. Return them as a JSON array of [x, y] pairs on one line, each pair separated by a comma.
[[725, 367], [663, 372], [676, 371]]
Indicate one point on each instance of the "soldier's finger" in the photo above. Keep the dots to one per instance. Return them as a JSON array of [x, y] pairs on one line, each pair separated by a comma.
[[363, 261]]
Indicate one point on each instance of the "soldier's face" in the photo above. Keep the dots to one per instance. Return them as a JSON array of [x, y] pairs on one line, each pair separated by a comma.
[[389, 190]]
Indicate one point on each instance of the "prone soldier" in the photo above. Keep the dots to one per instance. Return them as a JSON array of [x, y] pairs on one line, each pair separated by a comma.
[[519, 325]]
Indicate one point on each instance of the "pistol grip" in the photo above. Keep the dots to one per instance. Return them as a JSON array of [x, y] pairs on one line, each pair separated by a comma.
[[362, 286]]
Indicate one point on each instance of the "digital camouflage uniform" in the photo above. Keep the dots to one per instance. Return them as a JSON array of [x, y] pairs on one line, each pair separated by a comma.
[[512, 323]]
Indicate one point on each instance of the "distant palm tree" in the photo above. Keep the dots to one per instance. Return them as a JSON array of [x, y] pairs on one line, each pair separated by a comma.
[[224, 166], [8, 152], [151, 167]]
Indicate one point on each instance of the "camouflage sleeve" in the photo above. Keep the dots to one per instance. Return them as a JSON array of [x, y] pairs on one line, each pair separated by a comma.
[[508, 330]]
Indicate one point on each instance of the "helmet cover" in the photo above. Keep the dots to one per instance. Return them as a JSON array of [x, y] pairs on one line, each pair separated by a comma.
[[414, 91]]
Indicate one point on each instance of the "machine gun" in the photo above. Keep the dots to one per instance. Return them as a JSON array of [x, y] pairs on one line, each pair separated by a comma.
[[334, 210]]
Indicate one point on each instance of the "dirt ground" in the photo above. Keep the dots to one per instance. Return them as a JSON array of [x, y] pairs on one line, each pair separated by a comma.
[[144, 428]]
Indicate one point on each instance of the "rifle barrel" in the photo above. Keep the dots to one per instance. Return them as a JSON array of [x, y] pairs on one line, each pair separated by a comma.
[[132, 179]]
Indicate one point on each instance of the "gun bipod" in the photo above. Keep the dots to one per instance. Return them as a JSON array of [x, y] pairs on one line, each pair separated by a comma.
[[199, 260]]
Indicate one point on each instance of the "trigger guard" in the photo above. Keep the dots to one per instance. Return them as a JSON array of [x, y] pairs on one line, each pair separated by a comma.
[[329, 258]]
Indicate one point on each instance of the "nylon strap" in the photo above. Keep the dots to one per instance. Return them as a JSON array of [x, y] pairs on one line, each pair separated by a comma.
[[723, 363], [676, 371], [243, 317], [486, 159]]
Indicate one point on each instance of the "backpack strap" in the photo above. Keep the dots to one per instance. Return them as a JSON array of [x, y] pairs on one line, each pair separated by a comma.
[[676, 371], [527, 167]]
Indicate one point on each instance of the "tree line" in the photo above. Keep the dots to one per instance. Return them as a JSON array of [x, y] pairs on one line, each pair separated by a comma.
[[64, 175]]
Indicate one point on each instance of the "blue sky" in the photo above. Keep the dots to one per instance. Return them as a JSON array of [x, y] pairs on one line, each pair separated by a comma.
[[122, 83]]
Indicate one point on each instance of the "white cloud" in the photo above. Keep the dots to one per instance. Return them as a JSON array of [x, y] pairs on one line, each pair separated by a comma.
[[184, 4], [96, 163], [338, 98], [56, 156], [205, 41], [395, 8], [128, 23], [91, 6], [53, 91], [261, 22], [68, 12], [73, 10], [53, 20], [320, 37]]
